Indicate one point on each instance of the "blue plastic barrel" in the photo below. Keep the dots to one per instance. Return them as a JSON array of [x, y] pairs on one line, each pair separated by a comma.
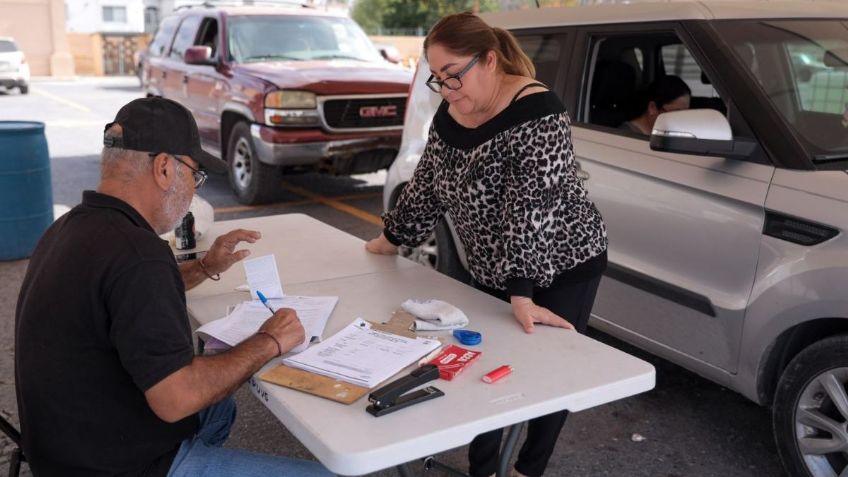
[[26, 195]]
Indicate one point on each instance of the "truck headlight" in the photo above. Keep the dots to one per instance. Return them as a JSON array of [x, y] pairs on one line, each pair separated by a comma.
[[291, 108], [290, 100]]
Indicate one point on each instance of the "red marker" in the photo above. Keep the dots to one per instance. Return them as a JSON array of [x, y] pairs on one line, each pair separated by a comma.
[[497, 374]]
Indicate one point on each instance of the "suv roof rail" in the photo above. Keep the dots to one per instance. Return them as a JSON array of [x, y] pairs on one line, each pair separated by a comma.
[[245, 3]]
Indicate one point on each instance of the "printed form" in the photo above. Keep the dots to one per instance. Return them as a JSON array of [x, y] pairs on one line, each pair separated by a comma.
[[361, 355], [246, 319]]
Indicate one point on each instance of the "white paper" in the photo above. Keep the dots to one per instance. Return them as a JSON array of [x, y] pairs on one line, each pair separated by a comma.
[[262, 275], [361, 355], [246, 319]]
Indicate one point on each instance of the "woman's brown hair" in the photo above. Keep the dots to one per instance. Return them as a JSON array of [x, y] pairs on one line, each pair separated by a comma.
[[468, 35]]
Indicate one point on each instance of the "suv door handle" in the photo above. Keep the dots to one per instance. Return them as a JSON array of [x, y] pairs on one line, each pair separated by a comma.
[[581, 174]]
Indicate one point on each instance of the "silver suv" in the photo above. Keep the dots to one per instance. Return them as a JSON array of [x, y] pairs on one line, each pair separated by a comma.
[[728, 254]]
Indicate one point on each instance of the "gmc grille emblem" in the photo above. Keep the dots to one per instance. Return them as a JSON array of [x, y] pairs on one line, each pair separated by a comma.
[[389, 111]]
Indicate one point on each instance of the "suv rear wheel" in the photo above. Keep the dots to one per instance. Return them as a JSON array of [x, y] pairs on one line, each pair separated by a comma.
[[23, 88], [253, 181], [811, 410]]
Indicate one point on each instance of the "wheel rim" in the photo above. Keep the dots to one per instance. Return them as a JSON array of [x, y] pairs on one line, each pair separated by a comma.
[[821, 424], [426, 254], [241, 164]]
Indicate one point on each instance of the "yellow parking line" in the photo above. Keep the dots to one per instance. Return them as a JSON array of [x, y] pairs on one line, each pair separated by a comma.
[[282, 205], [247, 208], [60, 99], [336, 204]]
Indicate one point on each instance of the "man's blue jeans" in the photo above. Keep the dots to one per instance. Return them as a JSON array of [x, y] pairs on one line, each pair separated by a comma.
[[202, 455]]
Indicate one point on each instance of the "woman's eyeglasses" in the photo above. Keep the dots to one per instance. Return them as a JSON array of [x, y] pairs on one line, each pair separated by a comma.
[[453, 82], [198, 175]]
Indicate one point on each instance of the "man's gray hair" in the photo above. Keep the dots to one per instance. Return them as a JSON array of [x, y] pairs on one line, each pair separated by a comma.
[[122, 164]]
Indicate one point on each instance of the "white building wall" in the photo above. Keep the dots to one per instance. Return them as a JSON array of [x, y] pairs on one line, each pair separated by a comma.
[[86, 16]]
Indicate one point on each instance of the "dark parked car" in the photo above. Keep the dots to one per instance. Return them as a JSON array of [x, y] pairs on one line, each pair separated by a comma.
[[278, 89]]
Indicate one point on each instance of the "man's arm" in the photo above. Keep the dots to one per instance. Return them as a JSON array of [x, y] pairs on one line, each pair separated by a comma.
[[220, 257], [208, 379]]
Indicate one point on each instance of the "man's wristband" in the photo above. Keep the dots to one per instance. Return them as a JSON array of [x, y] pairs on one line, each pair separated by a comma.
[[215, 277], [279, 346]]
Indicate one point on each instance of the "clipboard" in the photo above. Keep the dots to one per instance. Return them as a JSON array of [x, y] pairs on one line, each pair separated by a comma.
[[400, 324]]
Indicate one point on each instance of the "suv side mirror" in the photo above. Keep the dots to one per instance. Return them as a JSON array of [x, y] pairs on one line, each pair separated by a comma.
[[198, 55], [704, 132]]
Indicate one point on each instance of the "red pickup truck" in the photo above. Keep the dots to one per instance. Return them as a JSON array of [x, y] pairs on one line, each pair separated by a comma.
[[279, 89]]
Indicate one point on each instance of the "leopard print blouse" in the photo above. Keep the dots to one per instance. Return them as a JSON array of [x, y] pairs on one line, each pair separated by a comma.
[[511, 189]]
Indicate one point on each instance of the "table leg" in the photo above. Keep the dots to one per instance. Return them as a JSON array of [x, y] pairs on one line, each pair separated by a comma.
[[513, 432]]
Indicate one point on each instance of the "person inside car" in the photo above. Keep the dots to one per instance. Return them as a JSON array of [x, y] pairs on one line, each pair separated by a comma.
[[107, 380], [499, 160], [665, 94]]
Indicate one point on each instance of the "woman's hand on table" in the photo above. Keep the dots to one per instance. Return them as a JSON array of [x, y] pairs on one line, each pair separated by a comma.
[[528, 314], [381, 246]]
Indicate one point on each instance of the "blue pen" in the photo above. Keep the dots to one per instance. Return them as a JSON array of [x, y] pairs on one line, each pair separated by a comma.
[[264, 301]]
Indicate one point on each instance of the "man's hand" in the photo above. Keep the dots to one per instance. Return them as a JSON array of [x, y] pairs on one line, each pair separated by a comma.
[[222, 255], [381, 246], [528, 313], [285, 328]]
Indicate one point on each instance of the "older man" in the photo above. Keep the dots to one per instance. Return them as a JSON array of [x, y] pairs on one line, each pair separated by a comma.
[[107, 381]]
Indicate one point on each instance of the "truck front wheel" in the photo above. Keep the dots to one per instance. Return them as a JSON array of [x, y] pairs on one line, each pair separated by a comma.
[[253, 181]]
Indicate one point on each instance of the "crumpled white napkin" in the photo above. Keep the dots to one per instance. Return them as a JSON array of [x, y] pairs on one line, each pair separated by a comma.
[[433, 315]]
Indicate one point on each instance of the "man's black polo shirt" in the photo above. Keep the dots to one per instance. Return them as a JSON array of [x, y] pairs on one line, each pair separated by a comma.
[[101, 318]]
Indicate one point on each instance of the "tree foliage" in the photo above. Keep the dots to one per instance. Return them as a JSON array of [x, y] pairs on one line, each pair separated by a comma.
[[408, 14]]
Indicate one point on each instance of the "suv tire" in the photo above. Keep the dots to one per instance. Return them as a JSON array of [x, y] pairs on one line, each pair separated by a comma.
[[24, 89], [253, 181], [811, 400]]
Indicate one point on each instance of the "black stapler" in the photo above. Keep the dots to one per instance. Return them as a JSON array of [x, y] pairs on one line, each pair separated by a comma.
[[391, 397]]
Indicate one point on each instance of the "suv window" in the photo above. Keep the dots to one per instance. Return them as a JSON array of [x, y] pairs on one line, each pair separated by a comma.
[[801, 67], [185, 37], [7, 46], [163, 36], [297, 38], [622, 67], [545, 52]]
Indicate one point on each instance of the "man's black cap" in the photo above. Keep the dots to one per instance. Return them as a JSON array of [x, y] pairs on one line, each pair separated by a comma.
[[160, 125]]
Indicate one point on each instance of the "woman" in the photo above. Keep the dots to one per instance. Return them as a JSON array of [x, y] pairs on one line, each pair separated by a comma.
[[499, 160], [666, 93]]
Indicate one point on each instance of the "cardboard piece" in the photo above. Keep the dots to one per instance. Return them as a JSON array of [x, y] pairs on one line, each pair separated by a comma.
[[315, 384]]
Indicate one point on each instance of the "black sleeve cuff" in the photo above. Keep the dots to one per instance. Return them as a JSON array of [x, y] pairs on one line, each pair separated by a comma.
[[519, 287], [391, 238]]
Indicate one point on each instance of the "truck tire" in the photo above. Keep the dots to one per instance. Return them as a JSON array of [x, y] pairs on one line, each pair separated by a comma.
[[252, 181], [811, 410]]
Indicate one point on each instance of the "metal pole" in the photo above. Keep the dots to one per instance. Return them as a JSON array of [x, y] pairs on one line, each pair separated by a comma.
[[509, 446]]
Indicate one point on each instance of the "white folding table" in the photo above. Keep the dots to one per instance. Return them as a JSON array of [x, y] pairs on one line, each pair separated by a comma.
[[554, 369]]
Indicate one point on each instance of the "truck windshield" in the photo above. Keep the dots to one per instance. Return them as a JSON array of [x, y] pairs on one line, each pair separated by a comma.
[[802, 68], [297, 38]]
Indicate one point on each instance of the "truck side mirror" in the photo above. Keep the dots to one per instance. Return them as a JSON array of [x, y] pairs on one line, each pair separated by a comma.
[[703, 132], [198, 55]]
